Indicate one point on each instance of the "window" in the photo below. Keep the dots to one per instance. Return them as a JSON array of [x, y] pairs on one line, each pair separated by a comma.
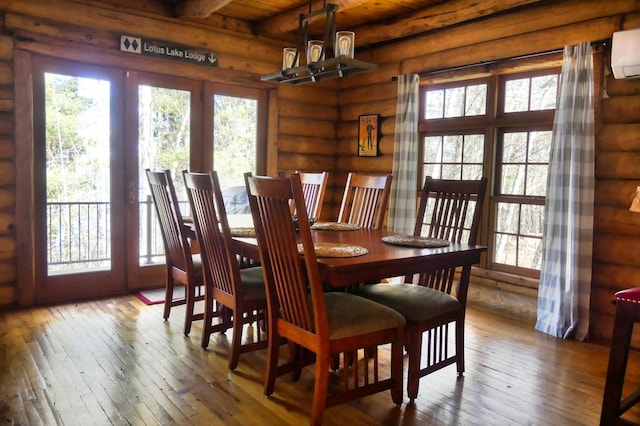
[[499, 127]]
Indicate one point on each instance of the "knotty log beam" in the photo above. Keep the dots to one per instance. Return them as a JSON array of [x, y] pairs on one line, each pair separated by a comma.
[[321, 129], [621, 110], [621, 250], [307, 146], [538, 41], [312, 93], [199, 8], [295, 161], [431, 18], [622, 87], [617, 193], [290, 108], [618, 165], [503, 28], [87, 15], [254, 62], [288, 21], [612, 277], [619, 137]]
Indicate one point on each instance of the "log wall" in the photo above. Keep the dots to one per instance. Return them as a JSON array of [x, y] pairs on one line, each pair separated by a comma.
[[302, 119], [616, 264], [307, 133], [315, 127], [523, 32]]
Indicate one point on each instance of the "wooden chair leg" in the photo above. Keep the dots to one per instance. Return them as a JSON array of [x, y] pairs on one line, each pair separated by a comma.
[[168, 298], [226, 317], [460, 345], [273, 348], [320, 389], [236, 341], [190, 295], [397, 372], [296, 352], [207, 327], [414, 349], [618, 356]]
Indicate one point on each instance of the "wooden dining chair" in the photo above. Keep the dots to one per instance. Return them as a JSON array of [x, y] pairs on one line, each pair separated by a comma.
[[240, 291], [449, 210], [365, 200], [614, 402], [314, 186], [183, 267], [319, 324]]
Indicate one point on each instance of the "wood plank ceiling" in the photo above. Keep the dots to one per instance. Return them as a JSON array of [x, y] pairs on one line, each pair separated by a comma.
[[374, 21]]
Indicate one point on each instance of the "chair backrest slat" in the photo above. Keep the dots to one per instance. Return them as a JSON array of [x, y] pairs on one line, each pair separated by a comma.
[[444, 212], [171, 222], [365, 200], [220, 265], [314, 186], [444, 209], [294, 289]]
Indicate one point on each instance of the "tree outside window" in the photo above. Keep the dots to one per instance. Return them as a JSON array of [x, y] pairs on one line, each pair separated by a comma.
[[499, 127]]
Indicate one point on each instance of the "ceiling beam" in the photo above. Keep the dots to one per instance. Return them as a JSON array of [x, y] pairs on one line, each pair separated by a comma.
[[288, 21], [439, 16], [435, 17], [199, 8]]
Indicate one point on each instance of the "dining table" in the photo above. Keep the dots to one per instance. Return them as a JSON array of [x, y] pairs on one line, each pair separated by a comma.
[[368, 257]]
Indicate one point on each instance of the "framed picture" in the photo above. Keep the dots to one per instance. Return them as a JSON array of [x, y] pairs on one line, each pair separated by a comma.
[[368, 135]]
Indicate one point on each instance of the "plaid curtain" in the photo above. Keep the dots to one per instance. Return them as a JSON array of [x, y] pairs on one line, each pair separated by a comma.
[[565, 276], [402, 202]]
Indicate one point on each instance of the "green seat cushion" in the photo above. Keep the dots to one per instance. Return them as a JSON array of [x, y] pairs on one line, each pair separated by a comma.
[[197, 265], [350, 315], [253, 283], [415, 303]]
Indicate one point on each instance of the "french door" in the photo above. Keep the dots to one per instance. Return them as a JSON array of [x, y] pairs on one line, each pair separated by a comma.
[[181, 124], [97, 130], [164, 125], [78, 181]]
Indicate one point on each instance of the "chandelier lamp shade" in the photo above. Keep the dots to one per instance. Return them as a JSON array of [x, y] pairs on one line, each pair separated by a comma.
[[326, 58]]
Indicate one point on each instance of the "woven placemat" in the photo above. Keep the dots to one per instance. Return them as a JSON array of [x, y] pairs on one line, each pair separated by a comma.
[[414, 241], [335, 226], [243, 232], [336, 250]]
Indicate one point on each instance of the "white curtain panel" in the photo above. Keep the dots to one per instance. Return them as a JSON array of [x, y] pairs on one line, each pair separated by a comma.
[[402, 202], [565, 276]]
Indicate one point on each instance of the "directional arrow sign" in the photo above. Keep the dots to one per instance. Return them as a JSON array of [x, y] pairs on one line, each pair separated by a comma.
[[160, 49]]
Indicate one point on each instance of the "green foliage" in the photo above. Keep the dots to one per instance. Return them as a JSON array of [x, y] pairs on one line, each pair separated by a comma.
[[235, 134], [77, 135]]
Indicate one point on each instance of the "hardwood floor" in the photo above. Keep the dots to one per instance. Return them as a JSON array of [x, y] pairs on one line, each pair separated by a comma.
[[115, 361]]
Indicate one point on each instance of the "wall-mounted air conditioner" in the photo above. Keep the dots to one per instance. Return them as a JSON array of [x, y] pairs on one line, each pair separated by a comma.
[[625, 53]]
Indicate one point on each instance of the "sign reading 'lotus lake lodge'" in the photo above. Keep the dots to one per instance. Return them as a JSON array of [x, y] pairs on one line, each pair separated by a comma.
[[160, 49]]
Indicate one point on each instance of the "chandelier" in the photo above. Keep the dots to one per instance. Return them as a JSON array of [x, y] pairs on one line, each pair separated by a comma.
[[331, 57]]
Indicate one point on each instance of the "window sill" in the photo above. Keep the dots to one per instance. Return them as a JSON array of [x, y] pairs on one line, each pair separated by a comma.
[[512, 280]]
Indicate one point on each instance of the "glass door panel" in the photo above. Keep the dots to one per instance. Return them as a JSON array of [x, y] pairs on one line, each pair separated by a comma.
[[78, 187], [77, 181], [96, 130], [163, 143], [234, 138], [164, 127], [234, 148], [236, 142]]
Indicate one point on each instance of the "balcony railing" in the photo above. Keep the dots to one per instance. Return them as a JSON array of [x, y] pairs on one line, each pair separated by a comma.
[[79, 235]]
